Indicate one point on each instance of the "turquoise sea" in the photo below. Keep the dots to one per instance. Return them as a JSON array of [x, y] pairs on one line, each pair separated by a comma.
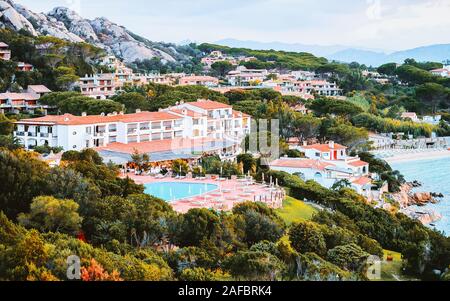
[[435, 176]]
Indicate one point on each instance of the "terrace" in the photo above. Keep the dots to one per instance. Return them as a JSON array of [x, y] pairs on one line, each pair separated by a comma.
[[228, 192]]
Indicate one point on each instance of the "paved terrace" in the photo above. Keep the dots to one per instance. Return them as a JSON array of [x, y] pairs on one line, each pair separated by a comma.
[[229, 194]]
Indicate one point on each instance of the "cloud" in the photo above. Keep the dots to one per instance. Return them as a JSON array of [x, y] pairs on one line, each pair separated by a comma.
[[388, 24]]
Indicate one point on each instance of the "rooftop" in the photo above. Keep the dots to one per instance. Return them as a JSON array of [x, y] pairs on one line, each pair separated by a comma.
[[358, 163], [325, 147], [18, 96], [157, 146], [301, 163], [69, 119], [209, 105], [362, 181], [39, 88]]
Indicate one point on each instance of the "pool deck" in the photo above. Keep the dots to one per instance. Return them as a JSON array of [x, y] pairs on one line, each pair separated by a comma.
[[229, 194]]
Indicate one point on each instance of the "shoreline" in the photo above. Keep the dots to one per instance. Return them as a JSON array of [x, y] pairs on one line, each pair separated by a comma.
[[412, 155]]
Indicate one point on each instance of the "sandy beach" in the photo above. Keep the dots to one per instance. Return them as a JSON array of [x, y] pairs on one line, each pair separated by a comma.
[[395, 156]]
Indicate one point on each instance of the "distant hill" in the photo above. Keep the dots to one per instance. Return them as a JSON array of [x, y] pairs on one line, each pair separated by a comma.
[[433, 53], [372, 57], [315, 49]]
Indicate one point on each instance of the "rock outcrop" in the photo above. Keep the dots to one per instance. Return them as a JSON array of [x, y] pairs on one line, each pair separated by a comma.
[[11, 18], [410, 203], [66, 24], [406, 198]]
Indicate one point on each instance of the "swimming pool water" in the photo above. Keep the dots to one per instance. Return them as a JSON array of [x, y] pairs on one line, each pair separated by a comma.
[[173, 191]]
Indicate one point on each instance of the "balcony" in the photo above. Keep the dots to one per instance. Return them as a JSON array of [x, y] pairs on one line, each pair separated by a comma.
[[99, 134], [20, 134], [45, 135]]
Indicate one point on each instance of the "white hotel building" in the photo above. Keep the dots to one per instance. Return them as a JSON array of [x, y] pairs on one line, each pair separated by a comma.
[[328, 164], [202, 122]]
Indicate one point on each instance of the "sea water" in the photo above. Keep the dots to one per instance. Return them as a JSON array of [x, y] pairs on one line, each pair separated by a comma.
[[434, 174]]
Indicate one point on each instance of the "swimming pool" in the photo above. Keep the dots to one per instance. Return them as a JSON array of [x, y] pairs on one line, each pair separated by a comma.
[[174, 191]]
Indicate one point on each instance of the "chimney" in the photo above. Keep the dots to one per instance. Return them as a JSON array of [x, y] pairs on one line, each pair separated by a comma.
[[84, 114], [305, 143], [331, 144], [121, 113], [102, 114], [138, 111], [181, 102]]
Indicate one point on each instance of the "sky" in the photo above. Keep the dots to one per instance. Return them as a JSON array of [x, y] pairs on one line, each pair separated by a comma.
[[374, 24]]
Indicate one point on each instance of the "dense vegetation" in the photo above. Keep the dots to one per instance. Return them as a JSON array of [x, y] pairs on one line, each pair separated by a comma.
[[269, 59], [58, 63], [83, 209]]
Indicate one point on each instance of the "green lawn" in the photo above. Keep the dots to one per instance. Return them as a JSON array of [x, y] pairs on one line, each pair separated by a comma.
[[392, 270], [295, 211]]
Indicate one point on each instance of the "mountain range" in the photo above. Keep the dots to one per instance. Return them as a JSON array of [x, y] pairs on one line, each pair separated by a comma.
[[66, 24], [370, 57]]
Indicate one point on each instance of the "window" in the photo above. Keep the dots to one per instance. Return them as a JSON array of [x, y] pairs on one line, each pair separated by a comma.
[[132, 139], [317, 154], [74, 133], [196, 121], [74, 147], [145, 138], [167, 125], [167, 136], [112, 128], [144, 126], [179, 134], [156, 125], [156, 136], [112, 139], [132, 128]]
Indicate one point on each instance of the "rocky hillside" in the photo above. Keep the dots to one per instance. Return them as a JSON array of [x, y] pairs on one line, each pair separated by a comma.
[[66, 24]]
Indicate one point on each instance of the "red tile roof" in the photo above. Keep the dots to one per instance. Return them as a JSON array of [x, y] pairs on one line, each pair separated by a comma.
[[358, 163], [209, 105], [325, 147], [362, 181], [69, 119], [189, 113], [301, 163], [39, 88], [157, 146], [18, 96]]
